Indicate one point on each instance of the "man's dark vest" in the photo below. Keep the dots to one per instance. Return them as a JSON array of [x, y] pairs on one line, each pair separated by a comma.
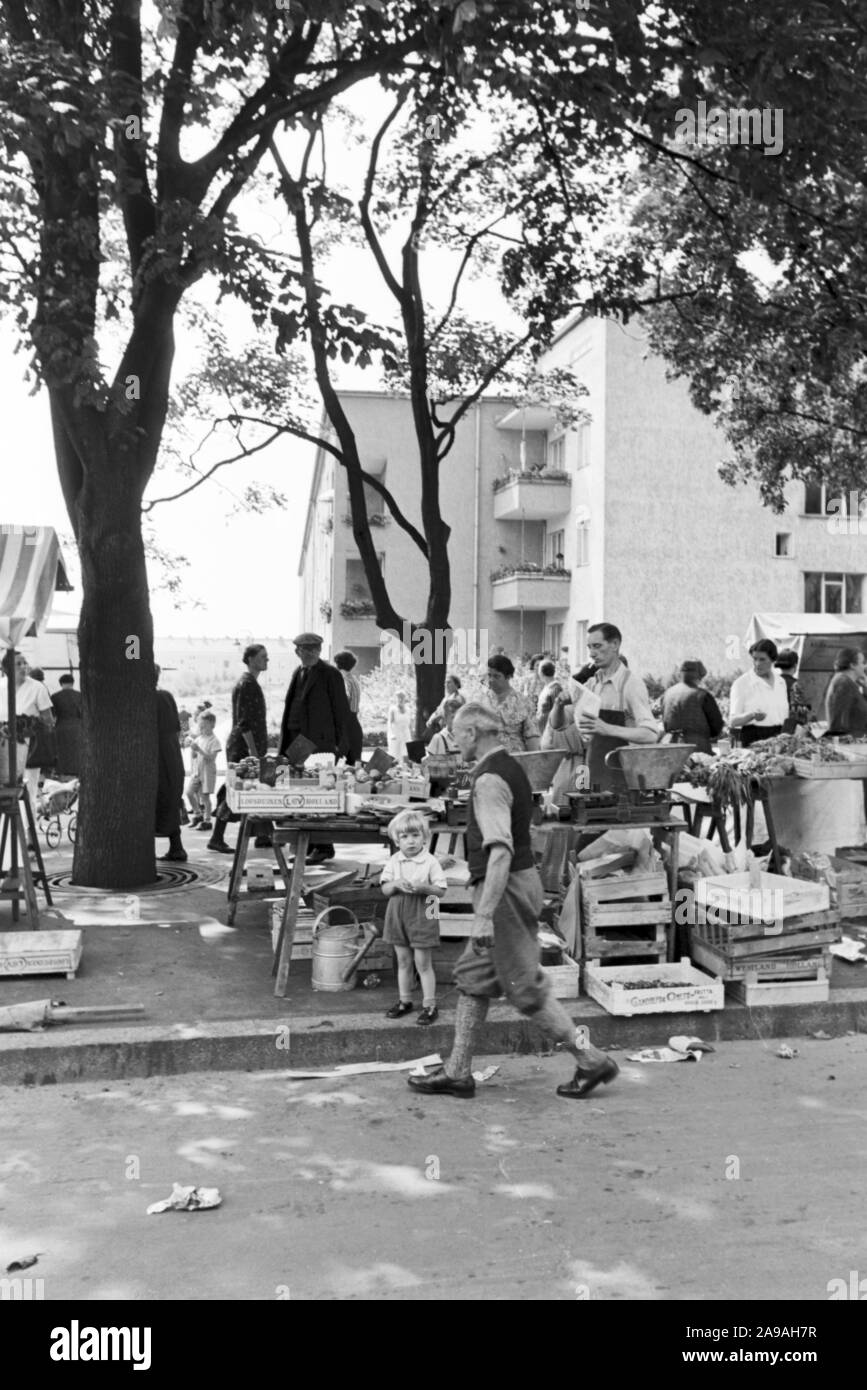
[[522, 807]]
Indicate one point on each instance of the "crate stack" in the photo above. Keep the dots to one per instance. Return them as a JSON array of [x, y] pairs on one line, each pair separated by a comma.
[[770, 944], [624, 915]]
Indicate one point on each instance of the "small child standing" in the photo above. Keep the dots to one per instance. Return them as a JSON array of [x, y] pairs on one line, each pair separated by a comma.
[[203, 781], [413, 881]]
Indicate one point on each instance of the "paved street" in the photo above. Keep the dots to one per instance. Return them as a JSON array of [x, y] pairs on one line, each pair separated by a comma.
[[738, 1178]]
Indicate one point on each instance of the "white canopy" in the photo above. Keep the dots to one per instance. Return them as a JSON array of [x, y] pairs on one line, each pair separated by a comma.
[[790, 629], [31, 569]]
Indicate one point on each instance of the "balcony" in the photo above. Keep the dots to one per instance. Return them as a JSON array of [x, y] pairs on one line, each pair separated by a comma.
[[535, 590], [532, 496]]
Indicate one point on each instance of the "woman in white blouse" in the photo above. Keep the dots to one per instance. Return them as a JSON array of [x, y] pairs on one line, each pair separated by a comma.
[[759, 700]]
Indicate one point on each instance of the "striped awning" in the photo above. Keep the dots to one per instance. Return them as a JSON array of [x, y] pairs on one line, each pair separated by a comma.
[[31, 570]]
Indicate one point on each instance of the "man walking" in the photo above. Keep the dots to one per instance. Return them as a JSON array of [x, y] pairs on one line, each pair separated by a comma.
[[503, 954], [249, 717], [317, 707]]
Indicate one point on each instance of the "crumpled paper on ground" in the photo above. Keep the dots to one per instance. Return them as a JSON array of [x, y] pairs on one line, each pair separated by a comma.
[[680, 1049], [847, 948], [787, 1052], [187, 1199]]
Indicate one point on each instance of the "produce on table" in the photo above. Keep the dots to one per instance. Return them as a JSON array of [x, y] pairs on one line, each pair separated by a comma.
[[734, 777]]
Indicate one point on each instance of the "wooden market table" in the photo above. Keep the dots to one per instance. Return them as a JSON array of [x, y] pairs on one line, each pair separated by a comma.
[[300, 833], [698, 806]]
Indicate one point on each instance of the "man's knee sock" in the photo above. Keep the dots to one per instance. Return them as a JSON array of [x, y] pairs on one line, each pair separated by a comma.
[[471, 1013], [553, 1019]]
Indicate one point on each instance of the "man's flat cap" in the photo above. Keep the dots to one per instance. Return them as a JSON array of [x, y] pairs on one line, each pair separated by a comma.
[[307, 639]]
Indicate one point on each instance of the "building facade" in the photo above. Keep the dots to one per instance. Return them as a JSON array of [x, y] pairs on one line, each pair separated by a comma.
[[489, 444], [623, 519]]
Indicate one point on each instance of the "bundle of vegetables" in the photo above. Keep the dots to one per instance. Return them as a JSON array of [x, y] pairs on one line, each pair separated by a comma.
[[247, 770], [732, 777], [821, 751]]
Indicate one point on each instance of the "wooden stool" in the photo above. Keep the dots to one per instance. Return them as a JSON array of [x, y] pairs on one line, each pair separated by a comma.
[[20, 882]]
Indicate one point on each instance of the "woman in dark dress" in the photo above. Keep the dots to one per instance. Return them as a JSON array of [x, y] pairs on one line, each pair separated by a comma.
[[846, 700], [67, 712], [170, 784], [690, 713]]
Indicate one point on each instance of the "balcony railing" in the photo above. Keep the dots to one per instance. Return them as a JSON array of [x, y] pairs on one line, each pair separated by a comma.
[[532, 496], [536, 589]]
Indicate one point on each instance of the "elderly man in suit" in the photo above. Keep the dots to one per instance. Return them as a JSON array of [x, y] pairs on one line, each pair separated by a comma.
[[317, 707]]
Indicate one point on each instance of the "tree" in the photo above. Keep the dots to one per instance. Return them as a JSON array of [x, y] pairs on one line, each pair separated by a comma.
[[99, 119], [762, 256], [513, 201], [113, 129]]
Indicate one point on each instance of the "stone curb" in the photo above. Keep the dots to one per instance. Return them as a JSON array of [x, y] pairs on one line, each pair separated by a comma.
[[62, 1054]]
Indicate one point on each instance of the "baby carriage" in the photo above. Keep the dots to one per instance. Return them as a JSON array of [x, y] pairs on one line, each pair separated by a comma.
[[57, 799]]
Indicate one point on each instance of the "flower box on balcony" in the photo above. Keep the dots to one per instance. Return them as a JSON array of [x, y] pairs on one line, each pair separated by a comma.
[[357, 608], [532, 496], [535, 589]]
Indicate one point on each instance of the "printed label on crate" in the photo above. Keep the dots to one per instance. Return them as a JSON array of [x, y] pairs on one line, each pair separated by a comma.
[[276, 800]]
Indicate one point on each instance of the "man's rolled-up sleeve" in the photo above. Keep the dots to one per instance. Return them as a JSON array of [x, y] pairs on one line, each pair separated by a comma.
[[637, 704], [492, 803]]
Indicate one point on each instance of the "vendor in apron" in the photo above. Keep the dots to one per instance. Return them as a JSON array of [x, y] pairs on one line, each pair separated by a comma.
[[624, 716]]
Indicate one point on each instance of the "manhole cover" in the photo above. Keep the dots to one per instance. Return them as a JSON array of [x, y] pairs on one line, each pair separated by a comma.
[[168, 876]]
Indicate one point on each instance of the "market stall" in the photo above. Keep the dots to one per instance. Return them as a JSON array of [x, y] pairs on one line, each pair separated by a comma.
[[817, 638], [31, 570]]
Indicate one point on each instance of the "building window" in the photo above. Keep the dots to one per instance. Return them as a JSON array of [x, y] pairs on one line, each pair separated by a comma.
[[832, 593], [554, 639], [357, 586], [783, 544], [556, 548], [557, 453], [583, 433], [818, 503]]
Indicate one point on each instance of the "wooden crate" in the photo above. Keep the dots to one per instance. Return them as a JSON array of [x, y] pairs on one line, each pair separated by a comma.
[[681, 989], [755, 992], [848, 880], [812, 767], [623, 941], [565, 979], [812, 930], [737, 898], [787, 964], [625, 914], [40, 953], [624, 888]]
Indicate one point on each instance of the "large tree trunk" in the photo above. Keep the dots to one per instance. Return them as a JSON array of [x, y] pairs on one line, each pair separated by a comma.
[[115, 844], [430, 684]]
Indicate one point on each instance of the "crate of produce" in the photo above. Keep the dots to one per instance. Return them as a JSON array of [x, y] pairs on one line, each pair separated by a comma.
[[612, 942], [818, 768], [773, 895], [565, 979], [785, 964], [285, 800], [631, 990], [755, 992], [40, 952], [442, 766]]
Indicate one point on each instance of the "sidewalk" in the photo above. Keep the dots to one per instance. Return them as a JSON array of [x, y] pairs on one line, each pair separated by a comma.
[[209, 997]]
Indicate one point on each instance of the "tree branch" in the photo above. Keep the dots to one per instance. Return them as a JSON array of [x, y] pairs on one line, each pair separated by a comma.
[[490, 375], [134, 192], [364, 206]]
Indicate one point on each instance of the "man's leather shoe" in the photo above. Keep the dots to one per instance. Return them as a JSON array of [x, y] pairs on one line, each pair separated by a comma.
[[583, 1082], [220, 846], [319, 854], [439, 1084]]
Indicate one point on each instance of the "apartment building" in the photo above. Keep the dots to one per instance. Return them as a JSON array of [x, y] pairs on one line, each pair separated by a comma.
[[623, 519], [487, 533]]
